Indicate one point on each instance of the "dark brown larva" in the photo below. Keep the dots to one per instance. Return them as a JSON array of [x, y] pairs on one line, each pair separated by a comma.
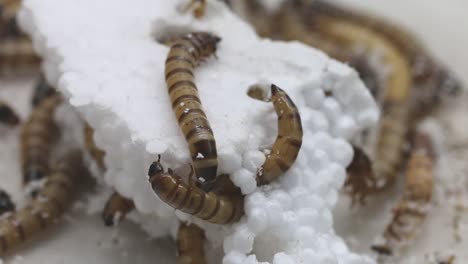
[[288, 142], [17, 56], [185, 53], [46, 208], [412, 209], [42, 90], [7, 115], [96, 153], [6, 204], [190, 244], [188, 198], [37, 136], [117, 207]]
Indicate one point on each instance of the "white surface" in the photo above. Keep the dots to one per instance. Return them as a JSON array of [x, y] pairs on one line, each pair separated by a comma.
[[110, 66]]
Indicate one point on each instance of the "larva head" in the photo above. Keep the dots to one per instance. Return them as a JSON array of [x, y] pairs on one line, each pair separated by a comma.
[[208, 42], [155, 168], [8, 116], [6, 205]]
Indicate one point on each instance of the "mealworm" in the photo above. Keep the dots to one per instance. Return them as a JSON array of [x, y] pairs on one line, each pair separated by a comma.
[[8, 115], [184, 54], [17, 55], [190, 244], [46, 208], [37, 136], [117, 207], [214, 208], [6, 204], [198, 7], [96, 153], [289, 140], [411, 210], [42, 90]]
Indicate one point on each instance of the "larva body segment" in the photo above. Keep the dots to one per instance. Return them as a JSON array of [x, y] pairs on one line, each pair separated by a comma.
[[17, 56], [185, 53], [37, 136], [190, 244], [45, 209], [198, 7], [288, 142], [6, 204], [117, 207], [412, 209], [8, 115], [188, 198]]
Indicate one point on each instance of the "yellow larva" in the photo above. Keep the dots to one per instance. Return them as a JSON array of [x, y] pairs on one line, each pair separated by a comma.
[[190, 244], [117, 207]]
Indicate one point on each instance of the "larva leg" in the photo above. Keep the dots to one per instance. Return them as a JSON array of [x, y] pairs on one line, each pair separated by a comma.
[[198, 7], [117, 207], [289, 140], [42, 90], [7, 115], [37, 136], [96, 153], [214, 208], [184, 54], [190, 244], [413, 207], [6, 204], [46, 208]]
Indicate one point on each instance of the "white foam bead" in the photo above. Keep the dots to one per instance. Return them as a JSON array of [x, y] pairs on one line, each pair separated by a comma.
[[331, 108], [251, 259], [228, 160], [314, 96], [315, 120], [283, 198], [341, 152], [257, 220], [254, 200], [345, 127], [307, 216], [245, 180], [282, 258], [311, 256], [240, 241], [234, 257], [252, 160], [306, 236]]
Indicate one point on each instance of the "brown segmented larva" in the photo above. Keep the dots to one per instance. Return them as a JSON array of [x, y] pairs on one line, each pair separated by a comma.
[[289, 140], [96, 153], [37, 136], [6, 204], [190, 244], [117, 207], [185, 53], [8, 115], [198, 7], [188, 198], [413, 207], [45, 209], [17, 56]]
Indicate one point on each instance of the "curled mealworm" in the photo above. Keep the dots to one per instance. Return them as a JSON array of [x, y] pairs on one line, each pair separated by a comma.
[[184, 54], [37, 136], [117, 207], [190, 244], [8, 115], [188, 198], [45, 209], [289, 140], [6, 204], [412, 209]]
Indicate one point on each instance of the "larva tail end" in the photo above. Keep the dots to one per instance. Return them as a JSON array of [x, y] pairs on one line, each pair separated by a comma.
[[108, 220], [382, 250]]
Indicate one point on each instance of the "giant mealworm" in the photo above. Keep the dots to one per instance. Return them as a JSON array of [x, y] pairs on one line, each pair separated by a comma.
[[190, 244]]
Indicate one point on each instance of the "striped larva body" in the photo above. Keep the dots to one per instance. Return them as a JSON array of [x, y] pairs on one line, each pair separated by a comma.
[[17, 56], [6, 204], [8, 115], [198, 7], [190, 244], [188, 198], [42, 90], [45, 209], [37, 136], [184, 54], [96, 153], [412, 209], [117, 207], [289, 140]]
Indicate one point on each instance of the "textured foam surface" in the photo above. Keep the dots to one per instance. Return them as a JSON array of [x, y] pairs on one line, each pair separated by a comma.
[[103, 55]]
